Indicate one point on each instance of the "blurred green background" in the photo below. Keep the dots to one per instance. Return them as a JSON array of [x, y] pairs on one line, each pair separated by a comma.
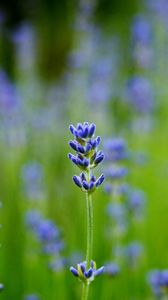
[[64, 62]]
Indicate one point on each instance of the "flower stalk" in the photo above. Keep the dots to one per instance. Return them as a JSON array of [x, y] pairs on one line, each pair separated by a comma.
[[87, 158], [89, 247]]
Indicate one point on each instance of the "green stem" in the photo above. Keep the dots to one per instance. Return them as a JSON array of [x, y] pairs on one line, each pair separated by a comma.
[[85, 291], [89, 245]]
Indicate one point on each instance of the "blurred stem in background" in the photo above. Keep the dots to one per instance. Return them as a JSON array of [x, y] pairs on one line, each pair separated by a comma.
[[54, 22]]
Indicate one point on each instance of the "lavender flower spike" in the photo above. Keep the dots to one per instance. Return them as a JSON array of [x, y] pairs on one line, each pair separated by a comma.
[[86, 155], [87, 276], [86, 158]]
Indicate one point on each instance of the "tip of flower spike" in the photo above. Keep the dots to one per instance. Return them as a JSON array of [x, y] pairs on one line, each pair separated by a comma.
[[92, 129], [85, 131], [79, 126], [84, 274], [72, 129]]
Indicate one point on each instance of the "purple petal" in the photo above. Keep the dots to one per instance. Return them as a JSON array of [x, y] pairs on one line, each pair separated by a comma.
[[77, 181], [99, 271], [74, 271]]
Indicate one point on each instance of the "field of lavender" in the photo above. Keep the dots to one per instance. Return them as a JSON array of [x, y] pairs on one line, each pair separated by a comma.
[[107, 111]]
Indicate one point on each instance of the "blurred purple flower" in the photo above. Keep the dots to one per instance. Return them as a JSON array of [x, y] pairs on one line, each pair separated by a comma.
[[116, 211], [33, 180], [115, 149], [47, 231], [132, 253], [140, 94], [136, 202], [48, 235], [33, 219], [53, 247], [99, 89], [111, 269], [141, 30], [142, 55], [158, 280], [9, 101], [57, 264], [159, 7]]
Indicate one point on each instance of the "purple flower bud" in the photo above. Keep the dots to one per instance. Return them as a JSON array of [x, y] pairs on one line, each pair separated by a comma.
[[83, 177], [79, 134], [73, 158], [91, 185], [72, 129], [98, 139], [99, 159], [80, 148], [93, 264], [86, 163], [80, 162], [73, 145], [100, 180], [83, 267], [79, 126], [77, 181], [99, 271], [89, 273], [93, 178], [88, 147], [92, 129], [93, 143], [85, 131], [85, 185], [74, 271], [99, 153]]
